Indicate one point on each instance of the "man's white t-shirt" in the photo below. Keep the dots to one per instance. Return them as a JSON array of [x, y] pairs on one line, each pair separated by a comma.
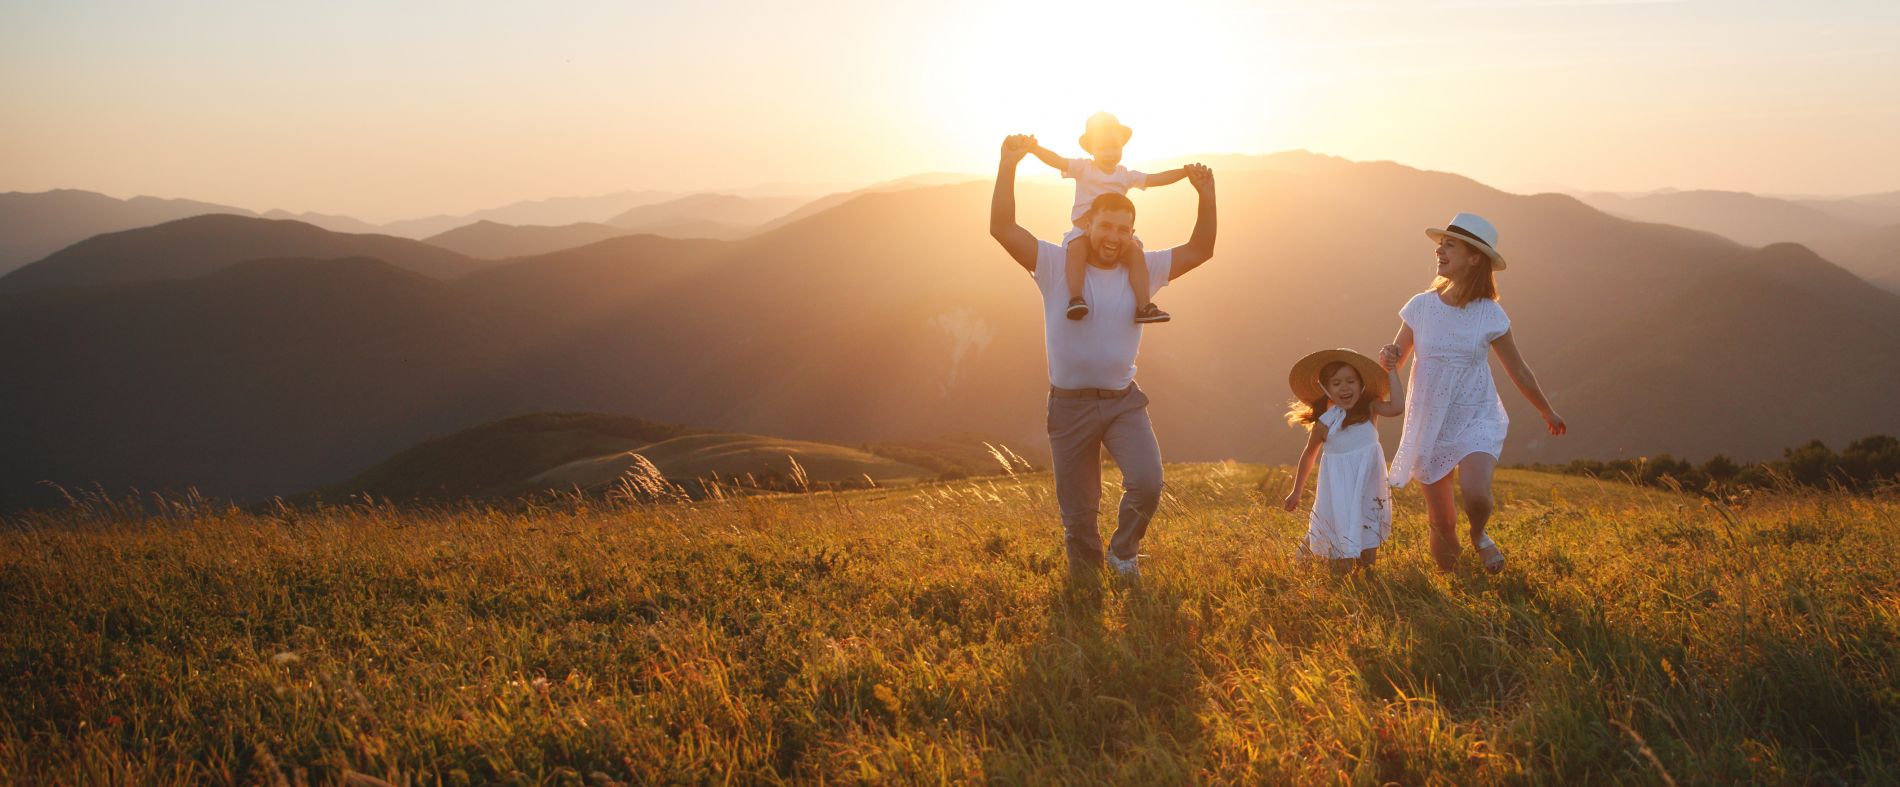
[[1092, 182], [1097, 351]]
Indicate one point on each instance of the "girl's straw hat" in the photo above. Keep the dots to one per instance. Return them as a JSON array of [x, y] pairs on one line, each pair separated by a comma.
[[1102, 124], [1473, 229], [1304, 380]]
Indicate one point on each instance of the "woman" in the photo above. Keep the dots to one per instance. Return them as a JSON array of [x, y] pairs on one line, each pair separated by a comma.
[[1455, 421]]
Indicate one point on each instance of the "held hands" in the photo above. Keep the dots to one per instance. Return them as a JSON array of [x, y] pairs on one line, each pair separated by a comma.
[[1016, 146], [1389, 357], [1201, 177]]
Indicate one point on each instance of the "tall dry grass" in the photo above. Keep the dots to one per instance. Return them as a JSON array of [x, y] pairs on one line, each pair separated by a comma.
[[930, 634]]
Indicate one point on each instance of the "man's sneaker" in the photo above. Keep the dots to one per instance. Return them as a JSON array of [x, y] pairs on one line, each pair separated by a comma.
[[1130, 568], [1152, 313], [1078, 308]]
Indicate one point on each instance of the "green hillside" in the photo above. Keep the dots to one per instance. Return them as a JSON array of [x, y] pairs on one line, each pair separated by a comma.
[[737, 456], [928, 634], [497, 458], [563, 451]]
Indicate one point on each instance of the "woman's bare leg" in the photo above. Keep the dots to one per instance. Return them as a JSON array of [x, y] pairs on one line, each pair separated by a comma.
[[1474, 484], [1441, 512]]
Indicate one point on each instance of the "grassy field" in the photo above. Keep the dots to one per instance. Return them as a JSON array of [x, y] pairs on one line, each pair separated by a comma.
[[930, 634]]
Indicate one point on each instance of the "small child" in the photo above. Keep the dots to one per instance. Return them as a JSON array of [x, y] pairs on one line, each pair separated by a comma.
[[1104, 174], [1339, 393]]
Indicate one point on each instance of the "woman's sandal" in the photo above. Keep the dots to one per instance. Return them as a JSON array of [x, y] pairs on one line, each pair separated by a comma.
[[1492, 556]]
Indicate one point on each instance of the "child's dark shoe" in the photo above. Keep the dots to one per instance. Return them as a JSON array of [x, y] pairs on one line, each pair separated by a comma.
[[1079, 308], [1148, 313]]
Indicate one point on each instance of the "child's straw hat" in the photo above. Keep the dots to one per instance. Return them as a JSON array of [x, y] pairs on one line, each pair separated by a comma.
[[1102, 124], [1304, 380]]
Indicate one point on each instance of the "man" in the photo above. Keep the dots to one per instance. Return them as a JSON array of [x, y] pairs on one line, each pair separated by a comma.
[[1093, 400]]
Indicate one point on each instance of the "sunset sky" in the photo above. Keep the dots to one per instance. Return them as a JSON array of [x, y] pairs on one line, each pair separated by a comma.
[[390, 110]]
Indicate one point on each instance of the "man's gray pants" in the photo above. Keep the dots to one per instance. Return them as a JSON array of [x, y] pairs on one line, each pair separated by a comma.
[[1079, 428]]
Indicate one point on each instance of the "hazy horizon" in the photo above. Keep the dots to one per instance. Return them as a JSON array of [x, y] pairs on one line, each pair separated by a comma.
[[388, 113]]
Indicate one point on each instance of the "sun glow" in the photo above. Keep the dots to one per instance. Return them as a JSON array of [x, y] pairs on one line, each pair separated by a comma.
[[1187, 80]]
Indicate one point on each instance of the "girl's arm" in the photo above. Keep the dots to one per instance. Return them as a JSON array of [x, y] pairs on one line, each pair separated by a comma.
[[1315, 440], [1394, 404], [1526, 382], [1164, 178], [1393, 355], [1049, 157]]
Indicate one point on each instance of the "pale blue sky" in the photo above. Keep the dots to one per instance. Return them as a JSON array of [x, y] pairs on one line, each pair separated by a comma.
[[387, 110]]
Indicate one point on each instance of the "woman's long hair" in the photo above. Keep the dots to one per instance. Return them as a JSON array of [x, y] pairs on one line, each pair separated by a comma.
[[1302, 413], [1479, 280]]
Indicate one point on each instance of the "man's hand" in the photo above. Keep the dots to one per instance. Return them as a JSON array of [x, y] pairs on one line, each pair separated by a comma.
[[1016, 146], [1201, 177]]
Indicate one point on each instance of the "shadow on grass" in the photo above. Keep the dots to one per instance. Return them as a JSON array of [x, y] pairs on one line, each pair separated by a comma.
[[1587, 692], [1109, 690]]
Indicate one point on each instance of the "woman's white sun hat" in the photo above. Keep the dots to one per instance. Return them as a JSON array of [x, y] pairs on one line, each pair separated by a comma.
[[1473, 229]]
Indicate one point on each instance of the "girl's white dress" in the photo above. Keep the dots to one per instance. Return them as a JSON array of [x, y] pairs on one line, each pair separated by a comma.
[[1452, 409], [1352, 505]]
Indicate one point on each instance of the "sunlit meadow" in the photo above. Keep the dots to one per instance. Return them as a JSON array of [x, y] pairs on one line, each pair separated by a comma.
[[931, 634]]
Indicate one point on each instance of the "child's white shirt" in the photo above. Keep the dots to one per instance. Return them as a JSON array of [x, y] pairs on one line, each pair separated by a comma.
[[1092, 182]]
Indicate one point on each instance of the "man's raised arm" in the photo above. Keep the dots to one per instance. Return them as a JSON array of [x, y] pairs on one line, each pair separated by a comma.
[[1200, 244], [1003, 227]]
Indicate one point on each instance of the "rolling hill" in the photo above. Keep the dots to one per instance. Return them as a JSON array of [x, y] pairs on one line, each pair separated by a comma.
[[893, 317], [33, 225], [487, 240], [554, 212], [199, 245], [1854, 233], [559, 451], [706, 215], [241, 382]]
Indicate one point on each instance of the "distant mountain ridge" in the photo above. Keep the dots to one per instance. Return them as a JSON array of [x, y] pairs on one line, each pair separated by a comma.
[[33, 225], [721, 216], [893, 316], [493, 241], [190, 247], [1850, 232], [555, 212]]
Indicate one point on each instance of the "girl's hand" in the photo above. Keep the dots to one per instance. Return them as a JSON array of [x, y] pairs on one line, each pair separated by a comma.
[[1292, 500], [1389, 357], [1555, 423]]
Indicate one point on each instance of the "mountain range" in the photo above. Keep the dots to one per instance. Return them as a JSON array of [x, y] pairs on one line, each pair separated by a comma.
[[195, 246], [893, 316], [35, 225], [1862, 234]]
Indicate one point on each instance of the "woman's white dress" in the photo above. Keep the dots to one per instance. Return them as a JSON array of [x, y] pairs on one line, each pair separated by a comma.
[[1452, 409], [1352, 505]]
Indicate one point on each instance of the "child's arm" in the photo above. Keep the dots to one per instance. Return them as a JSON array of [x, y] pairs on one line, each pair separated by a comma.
[[1394, 404], [1049, 157], [1315, 440], [1164, 178]]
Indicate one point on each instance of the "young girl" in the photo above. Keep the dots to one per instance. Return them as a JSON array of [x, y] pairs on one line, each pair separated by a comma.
[[1094, 177], [1339, 393], [1457, 421]]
